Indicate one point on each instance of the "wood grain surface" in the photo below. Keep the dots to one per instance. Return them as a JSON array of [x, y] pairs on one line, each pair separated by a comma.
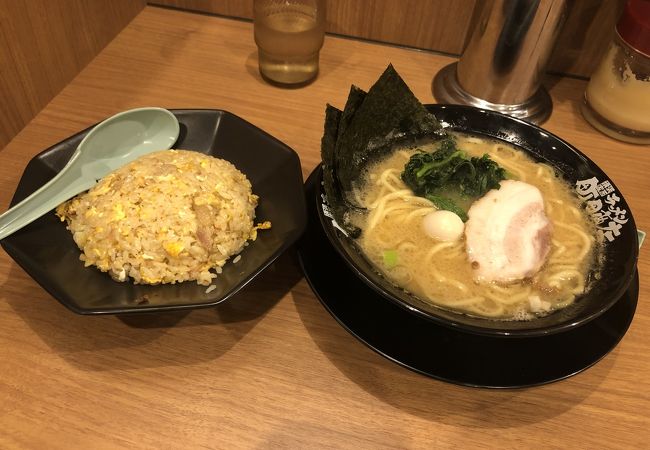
[[429, 24], [44, 44], [445, 25], [271, 368]]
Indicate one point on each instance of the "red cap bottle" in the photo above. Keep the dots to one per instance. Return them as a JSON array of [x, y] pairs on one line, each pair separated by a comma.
[[634, 25], [617, 99]]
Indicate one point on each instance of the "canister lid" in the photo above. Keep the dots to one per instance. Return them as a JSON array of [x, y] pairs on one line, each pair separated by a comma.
[[634, 25]]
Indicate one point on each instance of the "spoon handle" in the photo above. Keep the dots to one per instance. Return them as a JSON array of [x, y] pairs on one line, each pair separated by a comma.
[[65, 185]]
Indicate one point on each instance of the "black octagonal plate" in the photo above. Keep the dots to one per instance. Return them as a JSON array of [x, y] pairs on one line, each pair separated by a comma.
[[46, 251]]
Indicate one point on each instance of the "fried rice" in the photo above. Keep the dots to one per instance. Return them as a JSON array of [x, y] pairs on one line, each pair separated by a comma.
[[168, 217]]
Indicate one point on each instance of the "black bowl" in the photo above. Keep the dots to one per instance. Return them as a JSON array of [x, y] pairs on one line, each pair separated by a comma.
[[620, 248], [46, 251]]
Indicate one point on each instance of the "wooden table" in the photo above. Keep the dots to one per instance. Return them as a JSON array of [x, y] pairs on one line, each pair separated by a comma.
[[272, 367]]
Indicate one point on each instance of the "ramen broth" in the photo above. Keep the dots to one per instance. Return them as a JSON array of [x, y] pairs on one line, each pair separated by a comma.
[[440, 272]]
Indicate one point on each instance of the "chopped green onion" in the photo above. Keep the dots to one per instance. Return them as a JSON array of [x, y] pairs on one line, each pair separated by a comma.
[[390, 258]]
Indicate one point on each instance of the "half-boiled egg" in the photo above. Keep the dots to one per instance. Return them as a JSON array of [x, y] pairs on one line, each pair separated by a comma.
[[443, 225]]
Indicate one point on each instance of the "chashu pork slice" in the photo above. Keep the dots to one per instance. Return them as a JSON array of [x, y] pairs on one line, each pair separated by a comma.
[[508, 235]]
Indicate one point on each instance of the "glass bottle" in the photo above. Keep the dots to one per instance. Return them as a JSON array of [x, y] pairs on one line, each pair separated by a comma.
[[617, 99]]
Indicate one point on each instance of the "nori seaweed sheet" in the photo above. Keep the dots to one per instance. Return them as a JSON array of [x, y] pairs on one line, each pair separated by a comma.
[[370, 125], [388, 113], [335, 200], [354, 101]]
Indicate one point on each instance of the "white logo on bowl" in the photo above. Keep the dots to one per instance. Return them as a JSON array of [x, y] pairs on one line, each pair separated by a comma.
[[327, 212], [601, 200]]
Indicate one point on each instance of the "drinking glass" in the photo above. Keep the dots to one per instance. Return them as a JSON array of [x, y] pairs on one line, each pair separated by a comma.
[[289, 35]]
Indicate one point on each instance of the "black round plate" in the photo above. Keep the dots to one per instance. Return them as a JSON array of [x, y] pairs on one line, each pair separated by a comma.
[[441, 352]]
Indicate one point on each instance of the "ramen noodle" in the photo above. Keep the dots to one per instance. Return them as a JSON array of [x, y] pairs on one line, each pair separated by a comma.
[[440, 272]]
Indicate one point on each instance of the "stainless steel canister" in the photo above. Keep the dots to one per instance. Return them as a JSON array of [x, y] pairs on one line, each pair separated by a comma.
[[503, 64]]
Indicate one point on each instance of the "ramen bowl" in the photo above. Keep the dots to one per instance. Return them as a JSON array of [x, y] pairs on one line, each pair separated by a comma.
[[617, 230]]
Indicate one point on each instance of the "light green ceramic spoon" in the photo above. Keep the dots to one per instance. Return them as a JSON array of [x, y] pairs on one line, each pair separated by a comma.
[[114, 142]]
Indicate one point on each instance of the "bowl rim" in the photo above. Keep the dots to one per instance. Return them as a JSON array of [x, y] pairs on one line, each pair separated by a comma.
[[458, 320]]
